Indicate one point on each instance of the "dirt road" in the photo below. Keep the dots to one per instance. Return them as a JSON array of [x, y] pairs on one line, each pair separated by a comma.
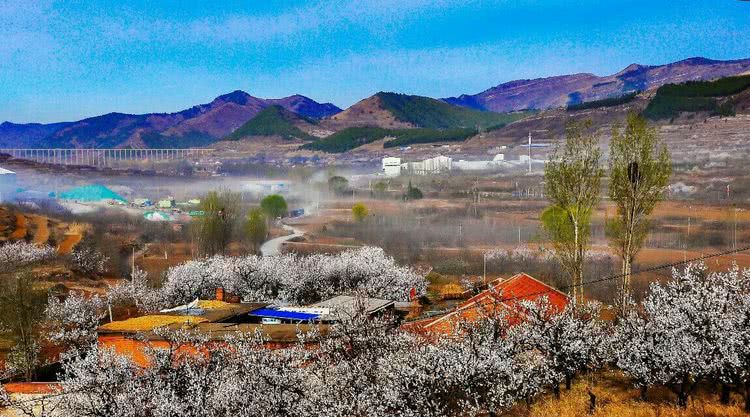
[[273, 246]]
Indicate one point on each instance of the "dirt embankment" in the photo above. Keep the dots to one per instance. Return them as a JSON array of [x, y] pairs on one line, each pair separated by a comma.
[[40, 230], [20, 229]]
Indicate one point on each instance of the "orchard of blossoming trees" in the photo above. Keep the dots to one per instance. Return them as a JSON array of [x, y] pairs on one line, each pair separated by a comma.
[[18, 254], [693, 329], [280, 279]]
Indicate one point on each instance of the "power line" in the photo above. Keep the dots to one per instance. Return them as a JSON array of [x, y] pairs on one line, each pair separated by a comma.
[[619, 276], [565, 288]]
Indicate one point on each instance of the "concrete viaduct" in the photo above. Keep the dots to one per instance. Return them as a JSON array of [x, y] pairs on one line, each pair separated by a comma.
[[101, 157]]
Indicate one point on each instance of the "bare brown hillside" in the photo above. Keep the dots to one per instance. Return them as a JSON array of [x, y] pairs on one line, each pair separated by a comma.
[[367, 112]]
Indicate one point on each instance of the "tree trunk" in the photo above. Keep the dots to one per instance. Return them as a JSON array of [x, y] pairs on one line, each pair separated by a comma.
[[682, 396], [644, 391], [568, 381], [625, 287], [577, 272], [747, 396], [725, 394], [556, 390], [592, 402]]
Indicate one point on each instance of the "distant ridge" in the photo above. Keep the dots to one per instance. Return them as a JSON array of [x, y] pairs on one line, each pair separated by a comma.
[[561, 91], [207, 123], [197, 126]]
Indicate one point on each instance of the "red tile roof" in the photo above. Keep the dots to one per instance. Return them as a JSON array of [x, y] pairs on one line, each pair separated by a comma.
[[504, 295]]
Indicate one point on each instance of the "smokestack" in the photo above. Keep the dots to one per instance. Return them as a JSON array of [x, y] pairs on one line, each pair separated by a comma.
[[220, 294]]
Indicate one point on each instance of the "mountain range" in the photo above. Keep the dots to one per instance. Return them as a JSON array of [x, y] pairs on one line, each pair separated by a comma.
[[299, 117], [560, 91], [196, 126]]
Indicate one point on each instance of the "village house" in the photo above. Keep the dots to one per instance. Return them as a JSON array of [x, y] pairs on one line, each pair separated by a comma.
[[503, 296], [226, 316]]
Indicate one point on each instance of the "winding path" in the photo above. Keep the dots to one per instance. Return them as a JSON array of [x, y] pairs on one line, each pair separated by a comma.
[[273, 246]]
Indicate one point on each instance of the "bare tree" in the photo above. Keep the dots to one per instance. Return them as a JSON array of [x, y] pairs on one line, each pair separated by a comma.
[[572, 183], [639, 170], [215, 229], [256, 228], [22, 305]]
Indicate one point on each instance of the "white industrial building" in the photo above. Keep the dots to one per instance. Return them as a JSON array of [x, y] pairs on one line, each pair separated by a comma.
[[8, 185], [392, 166], [497, 162], [429, 166]]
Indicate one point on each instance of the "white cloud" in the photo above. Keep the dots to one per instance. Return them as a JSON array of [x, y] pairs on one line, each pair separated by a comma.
[[379, 17]]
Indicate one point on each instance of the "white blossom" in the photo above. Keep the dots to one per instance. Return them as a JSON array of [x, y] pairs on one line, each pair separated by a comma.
[[89, 261], [17, 254], [569, 341], [689, 330], [292, 278], [73, 321]]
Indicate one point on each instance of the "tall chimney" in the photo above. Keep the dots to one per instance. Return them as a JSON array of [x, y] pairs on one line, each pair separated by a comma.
[[220, 294]]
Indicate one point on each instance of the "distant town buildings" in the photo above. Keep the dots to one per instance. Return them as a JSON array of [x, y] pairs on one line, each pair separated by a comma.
[[166, 203]]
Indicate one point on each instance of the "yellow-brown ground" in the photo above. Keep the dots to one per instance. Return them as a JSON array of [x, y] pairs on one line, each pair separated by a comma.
[[616, 397]]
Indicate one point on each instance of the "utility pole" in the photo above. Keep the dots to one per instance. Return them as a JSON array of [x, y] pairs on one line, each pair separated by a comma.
[[484, 271], [529, 151], [735, 228]]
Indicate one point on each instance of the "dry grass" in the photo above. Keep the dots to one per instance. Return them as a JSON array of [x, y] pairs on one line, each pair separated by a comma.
[[67, 245], [41, 236], [616, 397], [79, 228], [451, 291]]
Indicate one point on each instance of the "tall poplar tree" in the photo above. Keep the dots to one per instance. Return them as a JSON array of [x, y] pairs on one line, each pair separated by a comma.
[[572, 184], [639, 171]]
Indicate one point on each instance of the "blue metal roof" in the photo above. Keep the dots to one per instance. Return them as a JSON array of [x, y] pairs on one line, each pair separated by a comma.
[[278, 314]]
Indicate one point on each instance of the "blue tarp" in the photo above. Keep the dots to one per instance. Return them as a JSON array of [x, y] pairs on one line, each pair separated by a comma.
[[284, 315]]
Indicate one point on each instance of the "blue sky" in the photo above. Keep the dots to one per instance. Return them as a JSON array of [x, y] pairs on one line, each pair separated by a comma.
[[69, 60]]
